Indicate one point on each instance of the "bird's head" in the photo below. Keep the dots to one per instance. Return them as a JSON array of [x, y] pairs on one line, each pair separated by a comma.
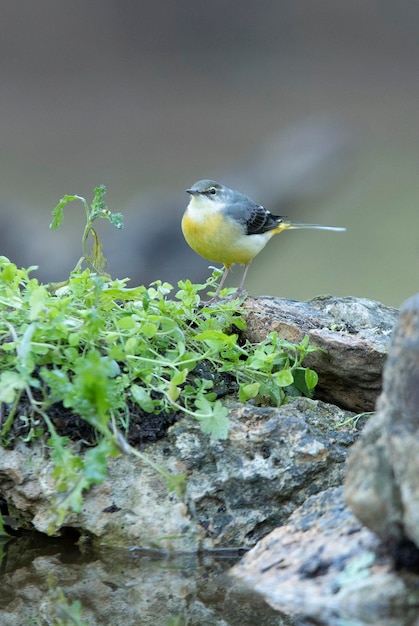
[[206, 193]]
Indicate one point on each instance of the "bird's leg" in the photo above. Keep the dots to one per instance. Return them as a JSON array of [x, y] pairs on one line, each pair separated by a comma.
[[216, 296], [237, 293], [221, 283], [240, 289]]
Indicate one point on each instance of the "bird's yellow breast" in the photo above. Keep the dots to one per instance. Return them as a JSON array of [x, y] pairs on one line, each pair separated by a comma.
[[218, 238]]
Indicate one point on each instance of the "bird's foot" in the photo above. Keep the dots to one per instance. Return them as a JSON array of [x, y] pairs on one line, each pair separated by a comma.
[[238, 293], [211, 301]]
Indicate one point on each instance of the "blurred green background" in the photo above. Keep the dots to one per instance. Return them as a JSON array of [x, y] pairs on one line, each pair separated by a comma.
[[310, 107]]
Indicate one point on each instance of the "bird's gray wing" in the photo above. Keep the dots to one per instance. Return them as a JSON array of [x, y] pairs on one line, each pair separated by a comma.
[[254, 218], [260, 220]]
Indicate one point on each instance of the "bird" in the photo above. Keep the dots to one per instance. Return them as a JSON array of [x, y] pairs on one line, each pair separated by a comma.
[[226, 226]]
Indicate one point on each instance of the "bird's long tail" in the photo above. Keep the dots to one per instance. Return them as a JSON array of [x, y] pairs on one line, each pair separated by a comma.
[[290, 225]]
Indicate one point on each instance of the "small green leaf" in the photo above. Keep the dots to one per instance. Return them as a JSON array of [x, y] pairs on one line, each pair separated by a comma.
[[10, 383], [216, 338], [142, 397], [96, 257], [57, 215], [304, 342], [284, 377], [174, 385], [37, 301], [148, 329], [173, 391], [213, 418], [95, 461], [25, 349], [311, 378], [180, 377], [126, 323], [131, 345], [300, 381], [58, 212], [239, 322], [248, 391]]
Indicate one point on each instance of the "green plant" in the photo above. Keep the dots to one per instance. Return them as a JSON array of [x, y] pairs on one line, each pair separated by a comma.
[[353, 420], [94, 259], [95, 348]]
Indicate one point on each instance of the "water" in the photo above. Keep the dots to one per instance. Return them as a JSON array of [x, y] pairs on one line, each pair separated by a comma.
[[43, 580]]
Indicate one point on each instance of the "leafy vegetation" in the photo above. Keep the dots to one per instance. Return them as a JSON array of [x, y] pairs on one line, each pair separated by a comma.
[[95, 348]]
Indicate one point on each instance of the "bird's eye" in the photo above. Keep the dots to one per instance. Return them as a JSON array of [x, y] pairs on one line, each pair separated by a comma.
[[212, 190]]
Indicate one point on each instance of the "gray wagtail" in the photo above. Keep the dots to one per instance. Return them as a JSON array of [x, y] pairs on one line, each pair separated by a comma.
[[228, 227]]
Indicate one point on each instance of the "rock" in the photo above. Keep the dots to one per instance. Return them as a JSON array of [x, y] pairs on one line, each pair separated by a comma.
[[131, 507], [236, 490], [273, 459], [322, 566], [354, 334], [382, 486]]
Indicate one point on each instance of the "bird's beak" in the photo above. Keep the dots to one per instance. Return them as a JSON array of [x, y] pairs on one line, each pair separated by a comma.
[[191, 191]]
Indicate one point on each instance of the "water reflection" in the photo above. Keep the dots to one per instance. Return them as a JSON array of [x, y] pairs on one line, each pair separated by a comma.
[[40, 580], [122, 587]]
